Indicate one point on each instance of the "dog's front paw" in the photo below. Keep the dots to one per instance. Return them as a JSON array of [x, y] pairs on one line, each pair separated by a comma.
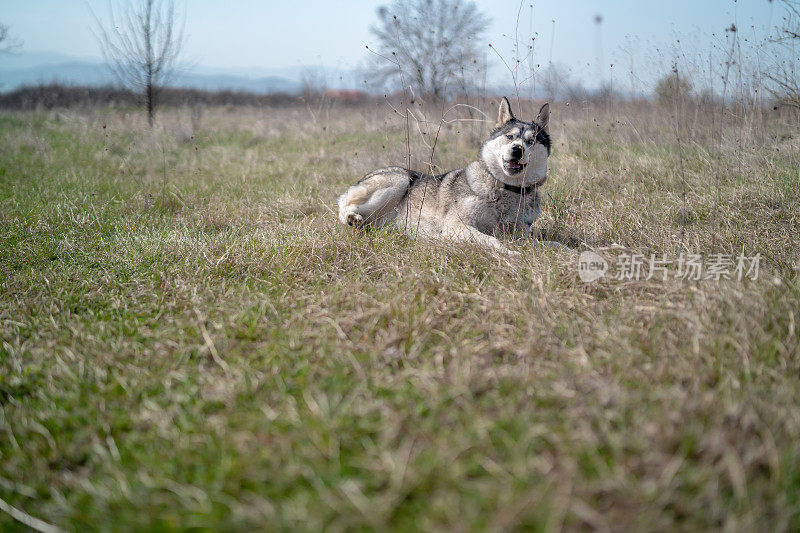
[[354, 219]]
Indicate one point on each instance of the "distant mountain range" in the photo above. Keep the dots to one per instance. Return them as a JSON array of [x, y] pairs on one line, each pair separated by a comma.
[[34, 68]]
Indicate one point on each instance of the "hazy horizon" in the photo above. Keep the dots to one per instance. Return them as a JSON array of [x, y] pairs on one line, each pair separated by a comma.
[[640, 39]]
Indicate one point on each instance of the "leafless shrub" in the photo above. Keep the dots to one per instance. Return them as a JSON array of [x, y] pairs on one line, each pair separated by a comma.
[[313, 84], [555, 81], [605, 94]]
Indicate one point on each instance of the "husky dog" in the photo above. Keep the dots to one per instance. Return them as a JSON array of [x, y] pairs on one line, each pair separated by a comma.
[[495, 195]]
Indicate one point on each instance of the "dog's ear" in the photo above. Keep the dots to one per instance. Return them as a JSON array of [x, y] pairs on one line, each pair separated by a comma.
[[543, 118], [505, 114]]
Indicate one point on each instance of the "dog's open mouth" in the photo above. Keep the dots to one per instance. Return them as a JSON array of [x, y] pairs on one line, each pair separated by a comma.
[[513, 166]]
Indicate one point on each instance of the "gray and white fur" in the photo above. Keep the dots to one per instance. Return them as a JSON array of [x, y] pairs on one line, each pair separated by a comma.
[[494, 196]]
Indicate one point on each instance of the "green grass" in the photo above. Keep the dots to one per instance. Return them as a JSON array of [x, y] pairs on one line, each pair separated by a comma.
[[191, 340]]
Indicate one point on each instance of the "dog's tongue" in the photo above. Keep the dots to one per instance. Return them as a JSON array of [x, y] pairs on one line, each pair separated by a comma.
[[514, 164]]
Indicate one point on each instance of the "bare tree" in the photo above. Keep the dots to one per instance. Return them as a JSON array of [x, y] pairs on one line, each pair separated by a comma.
[[7, 42], [313, 84], [435, 43], [142, 45], [784, 74]]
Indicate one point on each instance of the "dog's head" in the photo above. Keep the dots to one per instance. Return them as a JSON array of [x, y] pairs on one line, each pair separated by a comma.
[[517, 151]]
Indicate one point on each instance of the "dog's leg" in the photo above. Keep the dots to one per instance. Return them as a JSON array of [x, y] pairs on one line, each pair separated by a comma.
[[373, 198], [464, 232], [348, 211], [555, 244], [349, 204]]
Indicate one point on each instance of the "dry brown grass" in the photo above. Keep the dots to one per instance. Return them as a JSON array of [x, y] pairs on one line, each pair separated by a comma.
[[191, 339]]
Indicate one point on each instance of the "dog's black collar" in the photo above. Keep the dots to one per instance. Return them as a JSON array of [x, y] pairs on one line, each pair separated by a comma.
[[517, 190]]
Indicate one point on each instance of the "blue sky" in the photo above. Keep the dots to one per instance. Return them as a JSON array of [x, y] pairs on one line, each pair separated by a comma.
[[250, 33]]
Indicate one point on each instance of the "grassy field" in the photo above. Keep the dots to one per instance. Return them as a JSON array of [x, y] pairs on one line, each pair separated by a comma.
[[191, 340]]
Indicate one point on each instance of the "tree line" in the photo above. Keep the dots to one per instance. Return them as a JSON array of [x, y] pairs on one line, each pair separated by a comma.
[[432, 49]]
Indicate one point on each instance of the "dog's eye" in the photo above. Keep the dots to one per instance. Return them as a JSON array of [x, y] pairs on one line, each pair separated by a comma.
[[529, 140], [509, 136]]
